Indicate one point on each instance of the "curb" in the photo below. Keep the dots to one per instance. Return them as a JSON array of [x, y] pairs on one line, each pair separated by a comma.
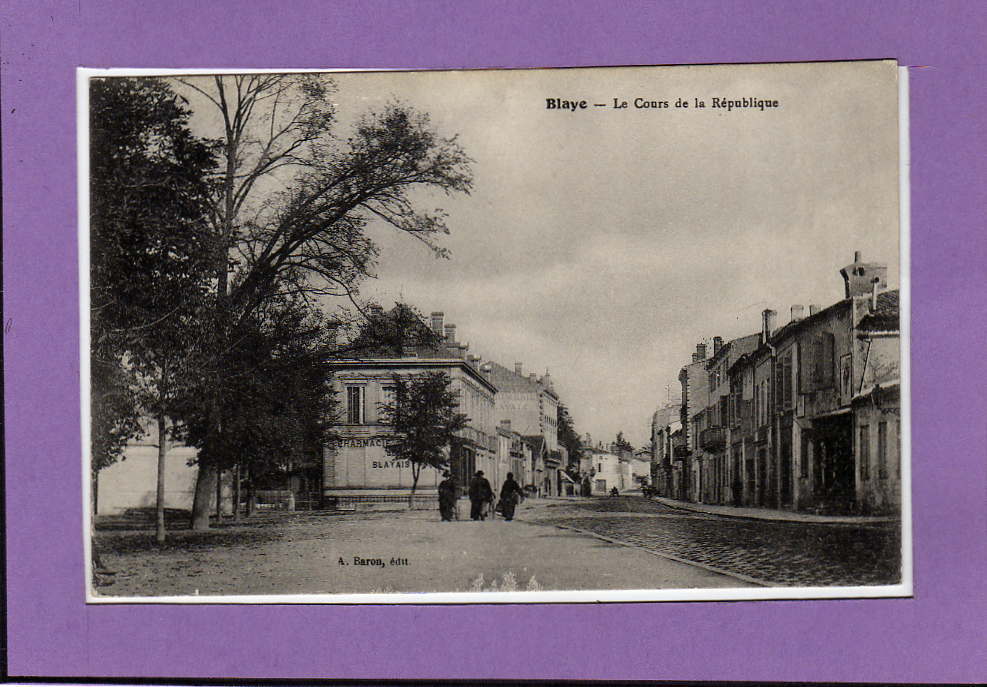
[[836, 520]]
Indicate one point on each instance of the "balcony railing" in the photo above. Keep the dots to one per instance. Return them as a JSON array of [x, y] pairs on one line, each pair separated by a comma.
[[713, 439]]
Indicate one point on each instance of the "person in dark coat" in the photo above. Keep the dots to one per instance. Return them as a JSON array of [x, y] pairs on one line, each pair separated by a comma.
[[510, 494], [480, 494], [447, 497]]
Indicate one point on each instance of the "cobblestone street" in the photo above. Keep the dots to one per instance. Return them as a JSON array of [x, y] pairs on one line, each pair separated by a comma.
[[776, 553]]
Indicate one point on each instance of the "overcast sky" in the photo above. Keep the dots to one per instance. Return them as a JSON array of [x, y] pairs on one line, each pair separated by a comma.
[[603, 244]]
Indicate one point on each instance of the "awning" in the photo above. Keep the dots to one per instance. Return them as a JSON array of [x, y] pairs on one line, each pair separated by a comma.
[[831, 413]]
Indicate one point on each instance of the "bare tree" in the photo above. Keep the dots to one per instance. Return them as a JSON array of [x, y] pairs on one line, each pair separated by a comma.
[[292, 202]]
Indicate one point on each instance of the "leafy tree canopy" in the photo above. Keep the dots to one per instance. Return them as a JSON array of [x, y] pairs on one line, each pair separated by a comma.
[[621, 444], [424, 416], [567, 434], [279, 405], [388, 333], [149, 244]]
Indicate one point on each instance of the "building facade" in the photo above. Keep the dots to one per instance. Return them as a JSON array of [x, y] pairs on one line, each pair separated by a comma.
[[687, 466], [356, 464], [719, 475], [805, 416], [664, 417], [132, 482], [530, 404]]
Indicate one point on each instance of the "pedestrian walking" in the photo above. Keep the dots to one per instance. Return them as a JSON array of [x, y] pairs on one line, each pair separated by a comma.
[[447, 497], [480, 493], [510, 494]]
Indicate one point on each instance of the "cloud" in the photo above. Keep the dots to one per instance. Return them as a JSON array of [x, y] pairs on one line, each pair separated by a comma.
[[604, 245]]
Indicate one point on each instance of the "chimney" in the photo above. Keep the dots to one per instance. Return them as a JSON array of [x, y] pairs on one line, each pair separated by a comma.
[[859, 277], [486, 369], [798, 312], [695, 357], [506, 424], [532, 377], [375, 310], [437, 318], [547, 380], [767, 324], [700, 352], [517, 370], [873, 294], [717, 344], [450, 334], [813, 309]]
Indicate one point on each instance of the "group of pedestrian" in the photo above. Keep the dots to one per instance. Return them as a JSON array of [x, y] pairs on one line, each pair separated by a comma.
[[481, 497]]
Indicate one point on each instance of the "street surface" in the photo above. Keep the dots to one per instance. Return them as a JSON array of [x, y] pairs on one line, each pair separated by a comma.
[[411, 551], [776, 552]]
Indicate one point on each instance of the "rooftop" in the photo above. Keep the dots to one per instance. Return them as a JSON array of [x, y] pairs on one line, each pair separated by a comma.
[[885, 317], [412, 362], [508, 380], [735, 348]]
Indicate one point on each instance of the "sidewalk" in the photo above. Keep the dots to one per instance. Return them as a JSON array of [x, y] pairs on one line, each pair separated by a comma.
[[771, 514]]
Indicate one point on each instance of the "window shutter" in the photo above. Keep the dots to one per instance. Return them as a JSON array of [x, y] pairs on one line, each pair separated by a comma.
[[787, 384], [779, 385], [827, 360], [810, 366]]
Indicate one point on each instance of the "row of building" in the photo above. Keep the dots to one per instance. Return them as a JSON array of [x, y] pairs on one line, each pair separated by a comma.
[[512, 427], [607, 467], [512, 423], [805, 416]]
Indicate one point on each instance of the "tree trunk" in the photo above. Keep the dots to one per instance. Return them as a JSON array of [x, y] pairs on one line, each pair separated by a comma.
[[251, 500], [236, 493], [159, 532], [416, 471], [207, 476], [203, 494], [219, 496], [97, 562]]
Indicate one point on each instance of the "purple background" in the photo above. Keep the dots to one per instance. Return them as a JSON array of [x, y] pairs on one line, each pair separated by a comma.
[[936, 636]]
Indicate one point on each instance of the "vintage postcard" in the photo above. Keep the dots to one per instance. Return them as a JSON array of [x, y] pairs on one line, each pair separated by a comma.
[[546, 335]]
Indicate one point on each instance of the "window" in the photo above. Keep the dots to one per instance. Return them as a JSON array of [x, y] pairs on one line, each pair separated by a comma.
[[882, 450], [783, 383], [819, 363], [762, 404], [355, 396], [864, 450]]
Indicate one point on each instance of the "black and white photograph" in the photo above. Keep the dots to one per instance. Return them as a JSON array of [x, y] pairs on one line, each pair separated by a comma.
[[474, 336]]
